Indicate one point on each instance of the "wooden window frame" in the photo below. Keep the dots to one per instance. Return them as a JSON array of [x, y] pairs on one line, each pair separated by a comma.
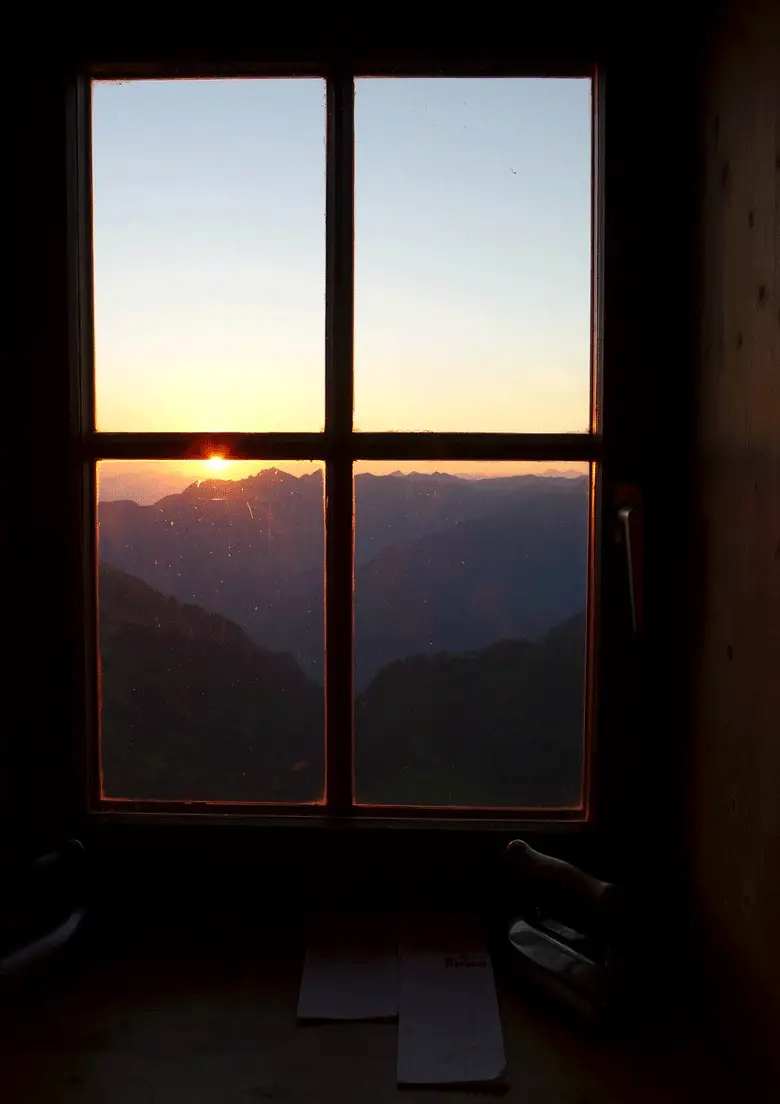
[[338, 446]]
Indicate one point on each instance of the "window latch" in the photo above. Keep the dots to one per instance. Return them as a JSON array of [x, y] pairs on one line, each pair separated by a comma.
[[630, 517]]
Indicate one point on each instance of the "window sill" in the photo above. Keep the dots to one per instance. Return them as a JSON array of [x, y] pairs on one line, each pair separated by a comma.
[[316, 861], [558, 822]]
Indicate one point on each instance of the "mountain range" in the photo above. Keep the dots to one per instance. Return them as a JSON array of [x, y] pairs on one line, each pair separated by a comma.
[[192, 709], [442, 563]]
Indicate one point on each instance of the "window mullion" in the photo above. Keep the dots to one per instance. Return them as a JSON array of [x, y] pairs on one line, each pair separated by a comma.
[[339, 497]]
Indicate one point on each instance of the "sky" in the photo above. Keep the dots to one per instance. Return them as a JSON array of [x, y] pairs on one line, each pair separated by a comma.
[[472, 255]]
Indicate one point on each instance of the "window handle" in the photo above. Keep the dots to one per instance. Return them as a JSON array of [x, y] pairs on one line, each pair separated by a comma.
[[630, 516]]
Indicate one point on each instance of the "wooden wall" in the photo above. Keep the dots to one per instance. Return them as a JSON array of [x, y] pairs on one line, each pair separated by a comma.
[[734, 782]]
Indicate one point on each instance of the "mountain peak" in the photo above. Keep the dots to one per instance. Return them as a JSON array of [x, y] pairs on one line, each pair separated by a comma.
[[274, 475], [240, 488]]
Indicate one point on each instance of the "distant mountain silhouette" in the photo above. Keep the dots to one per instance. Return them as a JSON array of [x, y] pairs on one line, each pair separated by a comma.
[[514, 572], [232, 547], [137, 483], [393, 509], [502, 726], [193, 710], [442, 562]]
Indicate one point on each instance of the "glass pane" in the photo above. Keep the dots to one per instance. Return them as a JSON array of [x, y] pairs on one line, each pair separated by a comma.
[[472, 255], [470, 593], [209, 255], [211, 621]]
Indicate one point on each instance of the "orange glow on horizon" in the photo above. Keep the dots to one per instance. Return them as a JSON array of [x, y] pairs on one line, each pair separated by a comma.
[[217, 463]]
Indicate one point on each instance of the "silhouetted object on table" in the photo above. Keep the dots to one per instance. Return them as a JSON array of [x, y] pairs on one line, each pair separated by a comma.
[[566, 942], [43, 911]]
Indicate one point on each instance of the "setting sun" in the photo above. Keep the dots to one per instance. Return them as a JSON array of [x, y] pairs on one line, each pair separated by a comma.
[[217, 463]]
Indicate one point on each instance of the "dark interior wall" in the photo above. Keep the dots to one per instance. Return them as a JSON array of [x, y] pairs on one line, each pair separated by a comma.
[[735, 768], [5, 823], [649, 339], [42, 669]]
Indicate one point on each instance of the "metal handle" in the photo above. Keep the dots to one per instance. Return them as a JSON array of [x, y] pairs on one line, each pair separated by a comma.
[[628, 504], [624, 513]]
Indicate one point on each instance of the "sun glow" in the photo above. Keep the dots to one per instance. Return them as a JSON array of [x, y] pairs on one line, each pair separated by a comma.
[[217, 463]]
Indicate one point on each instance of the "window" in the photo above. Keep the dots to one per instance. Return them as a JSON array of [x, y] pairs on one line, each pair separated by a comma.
[[342, 443]]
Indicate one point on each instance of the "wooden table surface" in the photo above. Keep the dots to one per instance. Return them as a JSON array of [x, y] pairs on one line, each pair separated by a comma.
[[150, 1020]]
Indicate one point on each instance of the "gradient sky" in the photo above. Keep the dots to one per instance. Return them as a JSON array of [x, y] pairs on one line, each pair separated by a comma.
[[472, 255]]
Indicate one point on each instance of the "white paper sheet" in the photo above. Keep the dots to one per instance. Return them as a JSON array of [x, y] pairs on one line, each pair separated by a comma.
[[350, 971], [449, 1027]]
